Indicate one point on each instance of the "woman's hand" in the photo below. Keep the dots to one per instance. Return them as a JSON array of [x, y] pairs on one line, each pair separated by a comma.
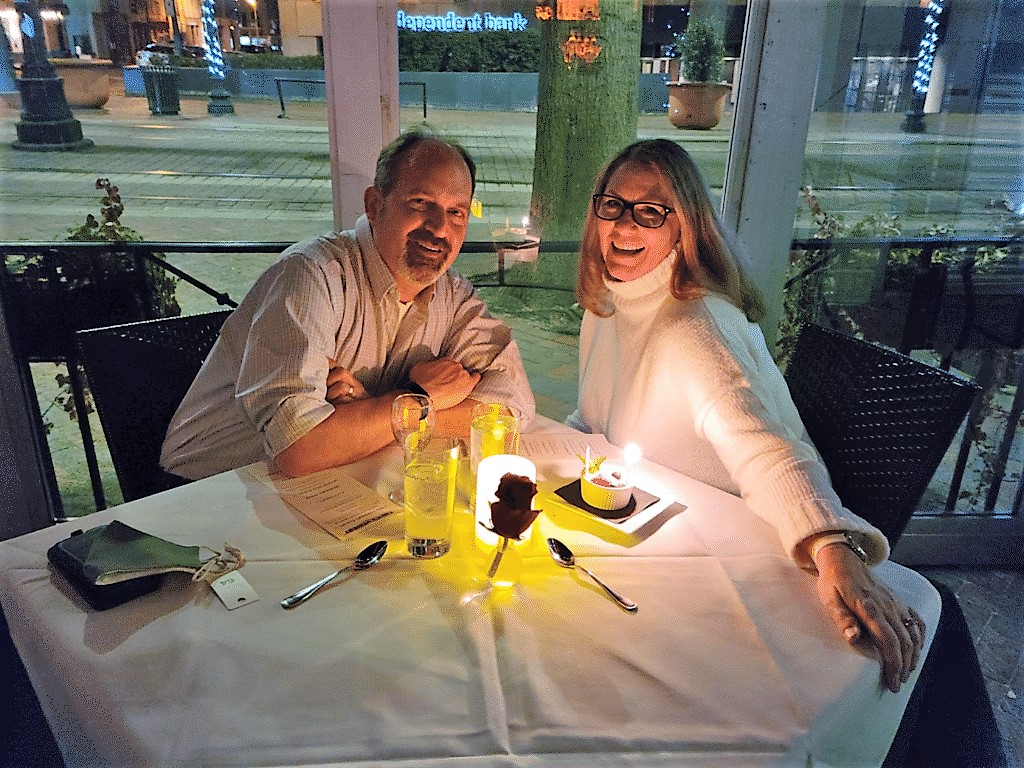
[[342, 386], [858, 603]]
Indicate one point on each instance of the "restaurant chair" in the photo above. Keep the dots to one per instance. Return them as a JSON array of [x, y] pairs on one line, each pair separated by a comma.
[[139, 374], [881, 420]]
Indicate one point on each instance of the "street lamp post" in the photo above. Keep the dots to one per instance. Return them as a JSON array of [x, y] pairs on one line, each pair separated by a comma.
[[46, 123], [171, 8], [255, 16]]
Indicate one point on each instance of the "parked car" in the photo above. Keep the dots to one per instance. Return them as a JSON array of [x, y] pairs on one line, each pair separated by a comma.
[[160, 52], [257, 45]]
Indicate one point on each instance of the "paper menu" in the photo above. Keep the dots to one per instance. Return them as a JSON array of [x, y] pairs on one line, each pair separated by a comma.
[[336, 502], [555, 446]]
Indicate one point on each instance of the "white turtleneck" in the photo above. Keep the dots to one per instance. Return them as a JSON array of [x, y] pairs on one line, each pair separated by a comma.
[[693, 383]]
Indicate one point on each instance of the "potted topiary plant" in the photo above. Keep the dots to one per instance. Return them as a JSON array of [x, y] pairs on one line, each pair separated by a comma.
[[698, 99]]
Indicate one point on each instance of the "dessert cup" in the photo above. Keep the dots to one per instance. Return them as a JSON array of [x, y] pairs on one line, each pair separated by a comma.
[[607, 488]]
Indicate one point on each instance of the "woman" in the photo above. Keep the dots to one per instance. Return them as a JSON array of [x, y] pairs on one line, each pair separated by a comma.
[[671, 358]]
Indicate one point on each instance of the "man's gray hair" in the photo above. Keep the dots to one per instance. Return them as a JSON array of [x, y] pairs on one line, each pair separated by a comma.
[[386, 175]]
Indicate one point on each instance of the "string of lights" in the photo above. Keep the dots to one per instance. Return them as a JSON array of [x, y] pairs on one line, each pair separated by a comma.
[[211, 37], [926, 50]]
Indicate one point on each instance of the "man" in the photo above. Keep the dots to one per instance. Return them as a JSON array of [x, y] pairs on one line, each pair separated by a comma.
[[305, 370]]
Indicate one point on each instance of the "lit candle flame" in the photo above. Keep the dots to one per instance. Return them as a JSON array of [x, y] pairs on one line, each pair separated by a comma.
[[632, 454]]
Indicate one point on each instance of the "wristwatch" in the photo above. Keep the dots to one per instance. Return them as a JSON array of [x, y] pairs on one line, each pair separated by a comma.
[[416, 389], [845, 537]]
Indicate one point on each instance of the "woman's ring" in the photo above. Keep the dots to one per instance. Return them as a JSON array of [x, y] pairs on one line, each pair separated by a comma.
[[351, 389]]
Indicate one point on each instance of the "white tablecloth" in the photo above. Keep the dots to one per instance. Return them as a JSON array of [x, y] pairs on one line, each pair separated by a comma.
[[730, 661]]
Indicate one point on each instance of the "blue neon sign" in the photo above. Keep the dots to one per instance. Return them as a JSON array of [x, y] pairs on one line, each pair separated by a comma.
[[453, 22]]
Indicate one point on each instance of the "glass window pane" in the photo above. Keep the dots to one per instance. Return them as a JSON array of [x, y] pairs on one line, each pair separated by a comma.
[[916, 132], [483, 90], [948, 156]]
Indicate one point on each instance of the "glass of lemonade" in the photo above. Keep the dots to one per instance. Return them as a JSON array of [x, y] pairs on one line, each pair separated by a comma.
[[430, 470], [412, 419], [493, 430]]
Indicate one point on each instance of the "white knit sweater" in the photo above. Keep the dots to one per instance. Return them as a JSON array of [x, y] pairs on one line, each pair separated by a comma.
[[693, 384]]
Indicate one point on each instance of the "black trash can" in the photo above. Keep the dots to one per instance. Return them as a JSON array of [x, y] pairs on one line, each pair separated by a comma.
[[161, 83]]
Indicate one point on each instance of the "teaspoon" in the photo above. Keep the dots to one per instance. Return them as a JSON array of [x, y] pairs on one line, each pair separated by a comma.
[[564, 557], [369, 556]]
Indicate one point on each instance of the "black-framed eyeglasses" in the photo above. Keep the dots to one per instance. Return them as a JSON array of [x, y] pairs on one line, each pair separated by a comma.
[[645, 214]]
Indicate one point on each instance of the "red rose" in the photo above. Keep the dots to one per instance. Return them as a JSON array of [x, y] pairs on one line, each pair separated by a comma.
[[512, 514], [516, 490]]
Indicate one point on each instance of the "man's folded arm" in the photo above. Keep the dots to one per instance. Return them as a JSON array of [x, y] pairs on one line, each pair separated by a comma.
[[353, 431]]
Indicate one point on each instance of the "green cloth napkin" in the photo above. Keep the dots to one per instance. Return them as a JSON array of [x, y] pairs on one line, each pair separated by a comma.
[[117, 552]]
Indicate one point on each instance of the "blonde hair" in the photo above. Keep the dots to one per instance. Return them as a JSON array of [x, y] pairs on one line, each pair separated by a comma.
[[707, 259]]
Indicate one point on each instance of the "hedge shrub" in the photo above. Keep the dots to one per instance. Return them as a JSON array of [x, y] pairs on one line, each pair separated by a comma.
[[469, 51], [256, 61], [419, 52]]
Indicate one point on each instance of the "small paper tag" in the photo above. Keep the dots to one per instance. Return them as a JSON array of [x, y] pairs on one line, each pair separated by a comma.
[[234, 591]]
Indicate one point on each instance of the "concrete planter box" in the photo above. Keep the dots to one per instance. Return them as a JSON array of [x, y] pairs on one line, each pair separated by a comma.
[[86, 81], [505, 91]]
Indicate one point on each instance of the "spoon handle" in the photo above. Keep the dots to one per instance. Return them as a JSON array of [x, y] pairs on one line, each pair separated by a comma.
[[304, 594], [626, 604]]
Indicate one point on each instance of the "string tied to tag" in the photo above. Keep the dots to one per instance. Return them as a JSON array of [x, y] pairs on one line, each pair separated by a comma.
[[231, 559]]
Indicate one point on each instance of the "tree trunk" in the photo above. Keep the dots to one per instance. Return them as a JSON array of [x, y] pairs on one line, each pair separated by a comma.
[[586, 112]]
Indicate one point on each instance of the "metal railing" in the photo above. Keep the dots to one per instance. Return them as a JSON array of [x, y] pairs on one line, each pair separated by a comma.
[[42, 318], [423, 92], [280, 92], [945, 296]]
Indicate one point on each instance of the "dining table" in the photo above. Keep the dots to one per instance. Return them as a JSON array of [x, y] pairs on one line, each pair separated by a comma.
[[729, 660]]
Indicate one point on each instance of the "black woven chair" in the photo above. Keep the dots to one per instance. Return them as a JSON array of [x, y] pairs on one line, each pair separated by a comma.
[[881, 420], [138, 374]]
